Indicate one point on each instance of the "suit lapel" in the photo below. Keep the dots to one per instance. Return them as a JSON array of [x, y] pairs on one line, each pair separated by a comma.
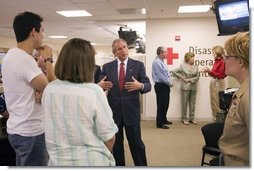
[[129, 70], [114, 72]]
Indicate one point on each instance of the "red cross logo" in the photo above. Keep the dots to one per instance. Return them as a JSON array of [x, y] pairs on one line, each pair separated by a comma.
[[171, 56]]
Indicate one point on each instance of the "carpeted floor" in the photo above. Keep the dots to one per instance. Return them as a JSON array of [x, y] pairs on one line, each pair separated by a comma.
[[179, 146]]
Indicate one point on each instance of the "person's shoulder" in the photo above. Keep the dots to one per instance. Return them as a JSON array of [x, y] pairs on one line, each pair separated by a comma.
[[135, 61], [110, 63], [15, 53], [53, 83], [98, 68], [16, 50], [183, 65], [156, 61], [95, 87]]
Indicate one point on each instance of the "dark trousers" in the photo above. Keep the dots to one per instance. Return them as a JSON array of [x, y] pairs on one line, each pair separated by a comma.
[[162, 98], [137, 147]]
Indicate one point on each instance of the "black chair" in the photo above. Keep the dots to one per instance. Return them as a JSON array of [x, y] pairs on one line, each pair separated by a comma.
[[225, 98], [7, 154], [217, 161], [211, 132]]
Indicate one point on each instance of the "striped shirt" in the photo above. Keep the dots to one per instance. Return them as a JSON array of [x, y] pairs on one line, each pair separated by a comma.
[[78, 120]]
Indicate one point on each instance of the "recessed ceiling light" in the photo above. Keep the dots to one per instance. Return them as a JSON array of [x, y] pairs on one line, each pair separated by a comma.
[[58, 37], [143, 10], [132, 11], [74, 13], [193, 8]]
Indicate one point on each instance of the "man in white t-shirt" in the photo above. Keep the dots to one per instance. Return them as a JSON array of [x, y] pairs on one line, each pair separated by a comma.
[[24, 83]]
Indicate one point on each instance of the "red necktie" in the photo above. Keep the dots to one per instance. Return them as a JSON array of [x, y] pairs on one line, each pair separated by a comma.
[[121, 76]]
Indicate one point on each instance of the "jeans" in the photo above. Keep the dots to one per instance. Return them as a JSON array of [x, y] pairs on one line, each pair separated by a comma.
[[30, 151]]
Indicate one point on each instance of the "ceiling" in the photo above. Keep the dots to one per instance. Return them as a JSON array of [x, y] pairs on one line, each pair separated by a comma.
[[102, 27]]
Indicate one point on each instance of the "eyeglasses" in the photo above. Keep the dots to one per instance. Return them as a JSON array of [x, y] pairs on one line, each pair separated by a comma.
[[226, 57]]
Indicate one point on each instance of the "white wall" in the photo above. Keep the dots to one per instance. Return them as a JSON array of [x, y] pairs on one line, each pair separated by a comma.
[[7, 42], [199, 33]]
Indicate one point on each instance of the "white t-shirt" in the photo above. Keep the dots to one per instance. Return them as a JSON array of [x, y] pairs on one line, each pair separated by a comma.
[[18, 70]]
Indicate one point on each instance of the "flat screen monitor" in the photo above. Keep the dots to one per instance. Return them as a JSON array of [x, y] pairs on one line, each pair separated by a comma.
[[232, 16]]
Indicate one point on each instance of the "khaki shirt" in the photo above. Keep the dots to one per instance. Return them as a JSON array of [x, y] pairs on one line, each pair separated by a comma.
[[234, 141]]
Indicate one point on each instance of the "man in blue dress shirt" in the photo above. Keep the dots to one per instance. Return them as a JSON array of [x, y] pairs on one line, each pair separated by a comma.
[[163, 82]]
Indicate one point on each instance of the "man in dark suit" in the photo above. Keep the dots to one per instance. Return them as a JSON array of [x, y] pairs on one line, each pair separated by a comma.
[[97, 73], [124, 102]]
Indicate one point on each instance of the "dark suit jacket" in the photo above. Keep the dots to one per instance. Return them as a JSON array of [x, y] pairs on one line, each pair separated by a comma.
[[97, 73], [126, 105]]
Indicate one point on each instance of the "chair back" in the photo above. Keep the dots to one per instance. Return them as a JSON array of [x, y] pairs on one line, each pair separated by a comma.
[[212, 132]]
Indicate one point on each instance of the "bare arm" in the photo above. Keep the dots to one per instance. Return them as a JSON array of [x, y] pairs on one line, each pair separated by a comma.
[[110, 143], [39, 82], [5, 114], [50, 72], [46, 52]]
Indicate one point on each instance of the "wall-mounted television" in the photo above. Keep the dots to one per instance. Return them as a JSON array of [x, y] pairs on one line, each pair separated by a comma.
[[232, 16]]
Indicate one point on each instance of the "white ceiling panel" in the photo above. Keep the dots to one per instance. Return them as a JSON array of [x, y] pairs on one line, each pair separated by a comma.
[[103, 26], [125, 4]]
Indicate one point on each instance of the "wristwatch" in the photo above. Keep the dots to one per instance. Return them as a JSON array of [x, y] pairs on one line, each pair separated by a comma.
[[49, 59]]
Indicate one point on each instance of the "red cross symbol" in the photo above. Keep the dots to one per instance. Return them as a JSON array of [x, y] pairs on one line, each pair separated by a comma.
[[171, 56]]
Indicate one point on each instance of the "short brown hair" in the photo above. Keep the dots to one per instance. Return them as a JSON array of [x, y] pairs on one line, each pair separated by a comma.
[[238, 46], [76, 61]]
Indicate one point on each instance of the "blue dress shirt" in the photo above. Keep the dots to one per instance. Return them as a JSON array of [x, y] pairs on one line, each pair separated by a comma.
[[160, 72]]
